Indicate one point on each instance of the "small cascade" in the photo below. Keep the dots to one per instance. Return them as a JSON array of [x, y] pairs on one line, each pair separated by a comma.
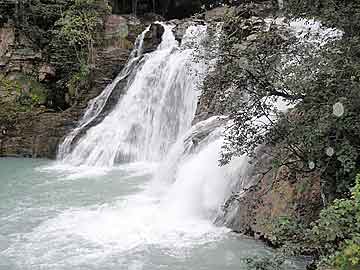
[[157, 108], [96, 105], [152, 123], [191, 170]]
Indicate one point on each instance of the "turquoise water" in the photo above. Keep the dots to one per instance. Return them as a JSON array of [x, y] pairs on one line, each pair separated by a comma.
[[60, 218]]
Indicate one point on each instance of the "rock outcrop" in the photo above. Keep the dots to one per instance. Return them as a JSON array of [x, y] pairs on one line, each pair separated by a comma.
[[37, 132], [271, 194]]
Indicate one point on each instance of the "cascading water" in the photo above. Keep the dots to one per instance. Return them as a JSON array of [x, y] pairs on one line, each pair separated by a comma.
[[158, 107], [152, 123], [97, 104], [191, 170]]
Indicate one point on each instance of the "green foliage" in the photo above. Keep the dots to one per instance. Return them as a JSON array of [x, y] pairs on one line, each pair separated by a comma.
[[78, 79], [26, 92], [265, 263], [285, 228], [8, 85], [312, 78], [348, 257], [67, 33], [80, 26], [334, 238], [342, 14], [74, 39]]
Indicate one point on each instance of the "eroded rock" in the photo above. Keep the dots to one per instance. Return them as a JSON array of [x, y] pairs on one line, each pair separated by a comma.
[[46, 72], [153, 37]]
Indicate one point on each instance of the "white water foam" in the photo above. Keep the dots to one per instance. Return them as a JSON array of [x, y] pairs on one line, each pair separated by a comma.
[[96, 105], [159, 106], [174, 214], [176, 210]]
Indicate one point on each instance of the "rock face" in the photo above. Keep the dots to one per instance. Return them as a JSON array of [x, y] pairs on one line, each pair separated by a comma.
[[271, 195], [7, 39], [37, 132], [153, 37]]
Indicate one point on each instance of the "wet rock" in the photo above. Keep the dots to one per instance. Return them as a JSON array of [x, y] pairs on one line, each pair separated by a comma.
[[180, 29], [46, 72], [270, 196], [153, 37], [7, 39], [252, 37]]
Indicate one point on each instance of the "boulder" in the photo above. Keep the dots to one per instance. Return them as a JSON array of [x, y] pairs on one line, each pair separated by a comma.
[[46, 72], [153, 37], [7, 39]]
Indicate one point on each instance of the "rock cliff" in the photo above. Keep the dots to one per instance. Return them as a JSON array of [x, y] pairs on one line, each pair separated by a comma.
[[37, 131]]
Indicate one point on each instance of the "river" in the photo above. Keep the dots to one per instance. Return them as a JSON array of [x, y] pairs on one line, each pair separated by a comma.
[[61, 218]]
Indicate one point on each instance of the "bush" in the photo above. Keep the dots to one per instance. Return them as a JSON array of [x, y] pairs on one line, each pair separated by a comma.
[[334, 239], [80, 26], [74, 39], [265, 263], [321, 87]]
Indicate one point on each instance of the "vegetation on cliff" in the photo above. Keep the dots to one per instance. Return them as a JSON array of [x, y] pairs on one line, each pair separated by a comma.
[[318, 82], [260, 65], [64, 33], [75, 37], [263, 67], [334, 238]]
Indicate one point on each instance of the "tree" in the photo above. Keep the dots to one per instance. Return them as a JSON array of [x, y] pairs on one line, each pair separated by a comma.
[[343, 14], [263, 66], [333, 239]]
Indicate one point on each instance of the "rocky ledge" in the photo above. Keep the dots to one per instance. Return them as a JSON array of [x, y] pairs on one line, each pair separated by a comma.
[[37, 131]]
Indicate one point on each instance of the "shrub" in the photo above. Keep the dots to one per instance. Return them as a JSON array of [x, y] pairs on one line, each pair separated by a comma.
[[334, 239], [321, 87]]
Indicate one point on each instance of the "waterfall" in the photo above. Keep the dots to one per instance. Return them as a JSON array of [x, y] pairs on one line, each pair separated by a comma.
[[152, 123], [96, 105], [157, 108], [191, 170]]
